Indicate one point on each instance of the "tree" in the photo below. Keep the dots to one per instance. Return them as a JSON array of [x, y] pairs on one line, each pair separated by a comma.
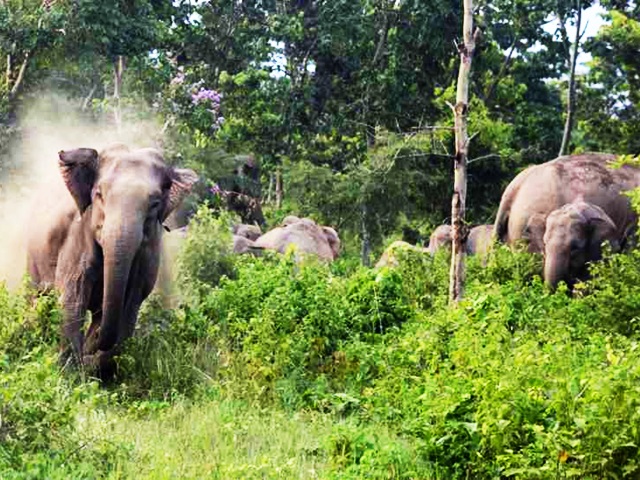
[[609, 115], [461, 108], [571, 88]]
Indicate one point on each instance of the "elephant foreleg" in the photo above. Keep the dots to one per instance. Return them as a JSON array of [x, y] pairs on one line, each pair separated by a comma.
[[93, 333], [74, 318], [75, 302]]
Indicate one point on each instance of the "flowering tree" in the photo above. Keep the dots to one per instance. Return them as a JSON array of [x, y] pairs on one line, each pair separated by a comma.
[[196, 105]]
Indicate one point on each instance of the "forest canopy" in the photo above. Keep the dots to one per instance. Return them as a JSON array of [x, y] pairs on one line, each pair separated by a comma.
[[345, 101]]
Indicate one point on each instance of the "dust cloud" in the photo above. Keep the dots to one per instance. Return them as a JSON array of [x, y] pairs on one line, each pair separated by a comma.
[[48, 125]]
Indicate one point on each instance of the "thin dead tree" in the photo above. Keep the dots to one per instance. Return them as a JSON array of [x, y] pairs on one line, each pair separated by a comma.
[[571, 90], [460, 110], [118, 71]]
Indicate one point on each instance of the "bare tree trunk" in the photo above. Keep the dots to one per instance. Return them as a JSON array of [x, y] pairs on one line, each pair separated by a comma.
[[278, 188], [18, 82], [8, 72], [272, 182], [459, 228], [571, 94], [366, 237], [118, 70]]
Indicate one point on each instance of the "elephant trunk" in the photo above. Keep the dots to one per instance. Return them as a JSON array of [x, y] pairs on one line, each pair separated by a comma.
[[556, 269], [121, 240]]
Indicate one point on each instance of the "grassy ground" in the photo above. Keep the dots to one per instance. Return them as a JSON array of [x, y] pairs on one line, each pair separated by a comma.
[[219, 440]]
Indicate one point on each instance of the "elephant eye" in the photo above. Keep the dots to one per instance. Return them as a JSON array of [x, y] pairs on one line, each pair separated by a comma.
[[154, 206]]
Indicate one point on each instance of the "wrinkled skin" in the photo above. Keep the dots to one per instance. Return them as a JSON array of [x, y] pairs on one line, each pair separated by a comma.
[[479, 240], [539, 190], [252, 232], [306, 235], [573, 237], [390, 256], [441, 237], [244, 245], [98, 241]]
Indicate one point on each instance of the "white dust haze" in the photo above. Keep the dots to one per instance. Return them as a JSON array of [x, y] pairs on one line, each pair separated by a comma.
[[48, 125]]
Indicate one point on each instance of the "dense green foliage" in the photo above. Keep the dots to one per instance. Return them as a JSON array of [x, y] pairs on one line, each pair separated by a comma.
[[347, 99], [517, 382], [266, 368]]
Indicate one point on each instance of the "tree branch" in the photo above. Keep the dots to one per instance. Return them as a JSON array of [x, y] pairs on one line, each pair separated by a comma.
[[502, 70], [20, 78], [571, 94]]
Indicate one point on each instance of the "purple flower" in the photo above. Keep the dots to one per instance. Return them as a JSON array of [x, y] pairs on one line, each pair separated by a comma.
[[205, 95], [215, 189]]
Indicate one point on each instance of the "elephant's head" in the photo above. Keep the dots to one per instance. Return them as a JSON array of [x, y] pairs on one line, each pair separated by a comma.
[[573, 237], [441, 237], [533, 232], [289, 220], [333, 239], [125, 195]]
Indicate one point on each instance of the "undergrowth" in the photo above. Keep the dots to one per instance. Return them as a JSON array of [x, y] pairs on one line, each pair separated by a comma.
[[370, 367]]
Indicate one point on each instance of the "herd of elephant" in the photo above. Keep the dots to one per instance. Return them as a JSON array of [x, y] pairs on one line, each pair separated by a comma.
[[564, 209], [97, 235]]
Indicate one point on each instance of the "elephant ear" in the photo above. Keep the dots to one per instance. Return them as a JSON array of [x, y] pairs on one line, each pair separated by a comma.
[[534, 232], [79, 170], [182, 181], [333, 239], [601, 229]]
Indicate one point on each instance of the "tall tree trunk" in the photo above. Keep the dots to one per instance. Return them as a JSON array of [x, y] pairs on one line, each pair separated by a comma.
[[366, 237], [571, 93], [459, 228], [278, 187], [118, 70], [272, 182], [7, 74]]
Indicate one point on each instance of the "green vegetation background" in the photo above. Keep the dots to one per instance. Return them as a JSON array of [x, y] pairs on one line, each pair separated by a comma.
[[267, 369], [337, 371]]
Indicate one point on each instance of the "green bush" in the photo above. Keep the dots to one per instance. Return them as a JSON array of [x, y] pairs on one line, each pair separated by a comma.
[[207, 253], [515, 382], [39, 403]]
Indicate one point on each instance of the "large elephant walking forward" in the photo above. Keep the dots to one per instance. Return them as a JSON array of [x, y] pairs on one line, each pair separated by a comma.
[[98, 242], [542, 189]]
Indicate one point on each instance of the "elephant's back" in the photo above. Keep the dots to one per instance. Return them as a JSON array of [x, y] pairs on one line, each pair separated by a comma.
[[539, 194], [307, 238], [587, 177]]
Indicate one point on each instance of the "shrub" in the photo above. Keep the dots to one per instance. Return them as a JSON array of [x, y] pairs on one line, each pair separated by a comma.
[[40, 404], [207, 253]]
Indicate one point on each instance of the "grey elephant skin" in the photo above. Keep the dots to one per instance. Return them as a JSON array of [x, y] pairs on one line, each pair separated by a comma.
[[540, 189], [251, 232], [307, 237], [573, 237], [478, 240], [441, 237], [98, 241]]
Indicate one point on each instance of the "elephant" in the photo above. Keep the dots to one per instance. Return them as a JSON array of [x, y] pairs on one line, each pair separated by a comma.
[[479, 240], [251, 232], [244, 245], [306, 235], [573, 237], [389, 257], [98, 241], [540, 189], [441, 237]]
